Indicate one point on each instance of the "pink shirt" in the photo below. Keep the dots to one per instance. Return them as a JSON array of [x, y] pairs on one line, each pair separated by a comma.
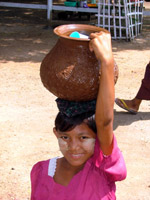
[[96, 181]]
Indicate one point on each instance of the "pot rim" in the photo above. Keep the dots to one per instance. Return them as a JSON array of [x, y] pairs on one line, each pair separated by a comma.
[[65, 30]]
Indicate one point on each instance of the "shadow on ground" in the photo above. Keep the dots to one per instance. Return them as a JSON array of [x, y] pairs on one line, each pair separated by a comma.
[[125, 119]]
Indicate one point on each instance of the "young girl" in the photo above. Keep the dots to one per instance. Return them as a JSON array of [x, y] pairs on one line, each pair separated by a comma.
[[91, 162]]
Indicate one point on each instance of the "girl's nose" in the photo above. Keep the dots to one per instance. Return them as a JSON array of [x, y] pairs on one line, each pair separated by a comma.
[[73, 145]]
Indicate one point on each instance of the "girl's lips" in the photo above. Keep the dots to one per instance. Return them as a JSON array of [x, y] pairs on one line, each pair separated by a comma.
[[76, 156]]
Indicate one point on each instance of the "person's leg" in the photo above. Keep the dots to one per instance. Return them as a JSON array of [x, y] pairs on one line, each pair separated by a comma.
[[133, 105], [144, 91]]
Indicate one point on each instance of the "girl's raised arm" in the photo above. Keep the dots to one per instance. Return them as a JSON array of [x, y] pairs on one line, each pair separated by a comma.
[[101, 45]]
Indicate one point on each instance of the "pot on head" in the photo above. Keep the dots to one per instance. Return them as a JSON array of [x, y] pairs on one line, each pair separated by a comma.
[[70, 70]]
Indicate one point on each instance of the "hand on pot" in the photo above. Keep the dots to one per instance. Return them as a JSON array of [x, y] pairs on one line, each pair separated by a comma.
[[100, 43]]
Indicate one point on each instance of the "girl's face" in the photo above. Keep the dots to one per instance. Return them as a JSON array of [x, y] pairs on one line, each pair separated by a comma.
[[76, 145]]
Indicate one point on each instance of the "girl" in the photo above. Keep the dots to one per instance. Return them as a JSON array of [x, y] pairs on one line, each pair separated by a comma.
[[91, 162]]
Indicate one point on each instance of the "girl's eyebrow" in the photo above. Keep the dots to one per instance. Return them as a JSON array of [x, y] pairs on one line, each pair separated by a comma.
[[63, 133], [79, 134], [85, 133]]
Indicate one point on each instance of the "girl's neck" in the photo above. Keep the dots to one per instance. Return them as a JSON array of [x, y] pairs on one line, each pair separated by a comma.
[[65, 172], [70, 168]]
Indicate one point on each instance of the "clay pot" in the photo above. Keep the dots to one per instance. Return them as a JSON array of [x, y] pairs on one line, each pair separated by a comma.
[[70, 71]]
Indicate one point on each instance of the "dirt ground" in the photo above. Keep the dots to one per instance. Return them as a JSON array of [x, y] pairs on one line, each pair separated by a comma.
[[27, 109]]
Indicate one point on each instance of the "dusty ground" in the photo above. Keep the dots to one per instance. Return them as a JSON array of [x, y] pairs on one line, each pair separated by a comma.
[[27, 109]]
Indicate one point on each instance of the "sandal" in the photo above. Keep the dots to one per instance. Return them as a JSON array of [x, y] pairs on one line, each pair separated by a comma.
[[121, 103]]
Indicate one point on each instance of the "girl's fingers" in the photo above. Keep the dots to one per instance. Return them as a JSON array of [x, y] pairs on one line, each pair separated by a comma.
[[100, 43], [93, 35], [90, 46], [92, 42]]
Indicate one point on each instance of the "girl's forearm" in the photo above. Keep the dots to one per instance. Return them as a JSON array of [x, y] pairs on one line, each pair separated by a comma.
[[101, 45], [105, 98], [104, 107]]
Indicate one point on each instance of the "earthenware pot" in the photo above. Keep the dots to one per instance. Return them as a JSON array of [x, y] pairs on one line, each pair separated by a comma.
[[70, 71]]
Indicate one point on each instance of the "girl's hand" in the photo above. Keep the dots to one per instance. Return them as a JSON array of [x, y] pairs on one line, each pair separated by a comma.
[[101, 45]]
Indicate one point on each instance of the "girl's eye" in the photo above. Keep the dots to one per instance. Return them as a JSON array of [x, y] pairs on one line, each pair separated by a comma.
[[64, 137], [84, 137]]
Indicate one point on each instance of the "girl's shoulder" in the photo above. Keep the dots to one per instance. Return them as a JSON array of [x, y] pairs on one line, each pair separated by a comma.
[[40, 167], [46, 167], [112, 165], [101, 160]]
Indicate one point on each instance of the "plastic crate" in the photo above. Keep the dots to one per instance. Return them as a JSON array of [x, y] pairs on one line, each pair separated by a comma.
[[123, 18], [70, 3]]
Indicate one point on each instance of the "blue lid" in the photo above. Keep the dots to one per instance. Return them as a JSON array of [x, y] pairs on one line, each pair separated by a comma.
[[75, 34]]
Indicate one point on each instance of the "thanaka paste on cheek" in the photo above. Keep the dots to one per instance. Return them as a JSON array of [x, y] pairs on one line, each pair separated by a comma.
[[89, 144], [63, 145]]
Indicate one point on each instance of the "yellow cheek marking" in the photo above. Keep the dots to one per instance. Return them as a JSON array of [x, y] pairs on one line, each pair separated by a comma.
[[63, 146]]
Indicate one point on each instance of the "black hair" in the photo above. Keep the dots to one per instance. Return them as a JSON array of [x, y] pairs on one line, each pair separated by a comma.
[[64, 123]]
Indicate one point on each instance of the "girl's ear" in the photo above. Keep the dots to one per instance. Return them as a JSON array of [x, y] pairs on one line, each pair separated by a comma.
[[55, 132]]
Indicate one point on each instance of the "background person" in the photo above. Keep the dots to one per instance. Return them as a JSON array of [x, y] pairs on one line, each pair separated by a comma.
[[132, 106]]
